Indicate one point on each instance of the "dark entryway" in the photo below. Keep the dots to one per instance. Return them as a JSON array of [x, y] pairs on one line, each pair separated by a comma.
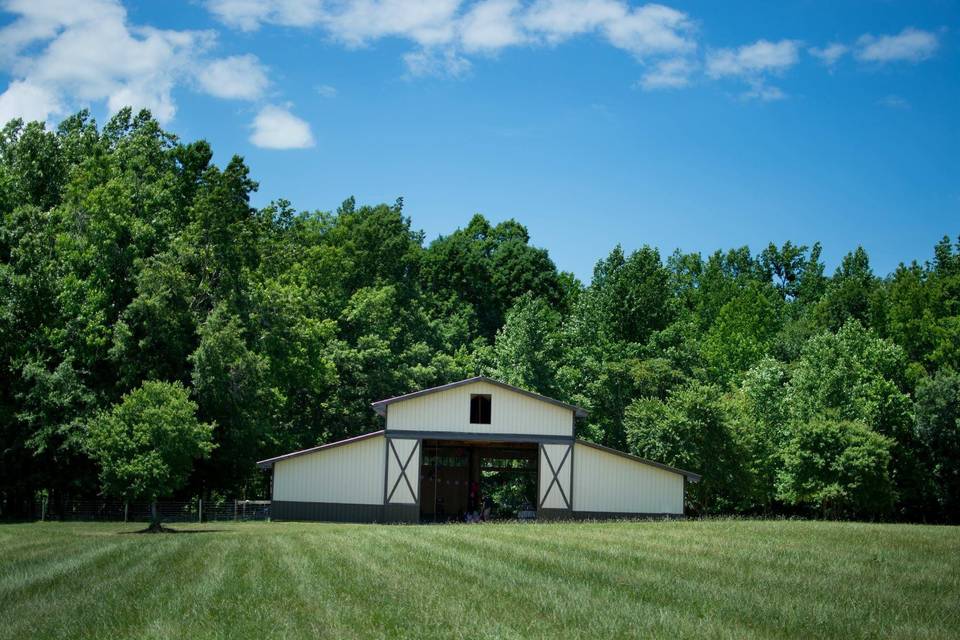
[[462, 480]]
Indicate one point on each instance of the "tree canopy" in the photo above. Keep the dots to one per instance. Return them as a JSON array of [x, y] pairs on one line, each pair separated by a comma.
[[139, 287], [146, 444]]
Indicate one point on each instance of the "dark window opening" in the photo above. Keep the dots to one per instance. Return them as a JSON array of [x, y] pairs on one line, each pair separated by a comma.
[[479, 409]]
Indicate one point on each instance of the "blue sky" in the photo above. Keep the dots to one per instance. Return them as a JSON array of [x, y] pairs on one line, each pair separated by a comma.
[[691, 125]]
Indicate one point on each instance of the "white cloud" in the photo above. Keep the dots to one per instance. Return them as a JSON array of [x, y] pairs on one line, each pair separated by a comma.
[[431, 62], [557, 20], [911, 45], [491, 25], [327, 91], [248, 15], [275, 127], [28, 101], [445, 29], [64, 54], [753, 64], [425, 22], [760, 90], [829, 54], [671, 73], [651, 29], [238, 77], [760, 57]]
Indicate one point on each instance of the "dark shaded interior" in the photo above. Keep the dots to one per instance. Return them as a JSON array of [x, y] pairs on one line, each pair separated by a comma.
[[460, 477]]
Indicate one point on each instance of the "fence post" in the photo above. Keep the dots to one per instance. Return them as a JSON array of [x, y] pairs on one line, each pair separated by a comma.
[[43, 508], [126, 505], [200, 512], [234, 510]]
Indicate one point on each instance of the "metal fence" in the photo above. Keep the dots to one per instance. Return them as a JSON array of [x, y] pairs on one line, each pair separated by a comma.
[[196, 510]]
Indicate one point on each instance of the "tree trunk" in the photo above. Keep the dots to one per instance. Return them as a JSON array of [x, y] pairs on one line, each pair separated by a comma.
[[155, 525]]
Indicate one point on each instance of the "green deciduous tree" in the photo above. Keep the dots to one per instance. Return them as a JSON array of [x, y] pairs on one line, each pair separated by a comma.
[[938, 432], [146, 444], [742, 333], [836, 469], [527, 352], [692, 430]]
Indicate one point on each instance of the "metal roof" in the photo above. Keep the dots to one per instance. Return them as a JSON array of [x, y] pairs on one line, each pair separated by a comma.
[[268, 463], [380, 406], [690, 475]]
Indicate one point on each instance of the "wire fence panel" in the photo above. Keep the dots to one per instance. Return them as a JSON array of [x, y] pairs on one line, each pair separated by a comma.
[[194, 510]]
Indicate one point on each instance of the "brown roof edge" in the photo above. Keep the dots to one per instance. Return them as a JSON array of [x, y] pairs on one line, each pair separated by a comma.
[[380, 405], [268, 463], [690, 475]]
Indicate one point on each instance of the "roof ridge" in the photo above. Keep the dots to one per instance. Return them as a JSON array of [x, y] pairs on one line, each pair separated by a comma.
[[379, 405]]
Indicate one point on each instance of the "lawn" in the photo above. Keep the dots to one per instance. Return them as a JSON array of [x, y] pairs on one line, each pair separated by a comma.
[[679, 579]]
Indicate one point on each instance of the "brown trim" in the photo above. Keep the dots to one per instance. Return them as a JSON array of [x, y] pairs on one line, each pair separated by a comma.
[[573, 450], [401, 513], [402, 473], [564, 514], [689, 475], [386, 470], [555, 472], [380, 405], [409, 513], [539, 458], [485, 437], [326, 511], [268, 463], [419, 470]]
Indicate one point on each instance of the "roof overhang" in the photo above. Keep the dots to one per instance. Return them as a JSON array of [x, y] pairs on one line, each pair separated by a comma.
[[380, 406]]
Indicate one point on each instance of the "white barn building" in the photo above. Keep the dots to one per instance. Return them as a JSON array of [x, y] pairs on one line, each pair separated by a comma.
[[427, 462]]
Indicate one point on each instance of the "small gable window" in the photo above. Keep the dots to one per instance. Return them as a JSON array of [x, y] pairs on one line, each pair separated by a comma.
[[480, 408]]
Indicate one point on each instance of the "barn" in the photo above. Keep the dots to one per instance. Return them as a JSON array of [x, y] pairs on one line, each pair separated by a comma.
[[477, 447]]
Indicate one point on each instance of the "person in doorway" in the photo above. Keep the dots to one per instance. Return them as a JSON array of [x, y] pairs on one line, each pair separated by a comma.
[[487, 508]]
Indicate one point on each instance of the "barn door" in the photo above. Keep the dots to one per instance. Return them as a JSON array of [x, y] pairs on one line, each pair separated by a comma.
[[556, 475], [403, 471]]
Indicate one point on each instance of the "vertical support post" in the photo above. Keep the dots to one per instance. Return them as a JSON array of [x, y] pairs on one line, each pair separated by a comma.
[[200, 511], [234, 510], [126, 506], [43, 508]]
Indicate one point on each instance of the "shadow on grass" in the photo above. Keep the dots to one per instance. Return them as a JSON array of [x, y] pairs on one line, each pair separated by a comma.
[[161, 530]]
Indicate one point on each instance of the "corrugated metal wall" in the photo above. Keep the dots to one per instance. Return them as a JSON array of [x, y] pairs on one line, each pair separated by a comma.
[[352, 473], [610, 483], [510, 412]]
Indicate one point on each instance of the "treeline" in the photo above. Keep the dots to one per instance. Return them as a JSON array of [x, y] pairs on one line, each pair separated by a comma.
[[127, 257]]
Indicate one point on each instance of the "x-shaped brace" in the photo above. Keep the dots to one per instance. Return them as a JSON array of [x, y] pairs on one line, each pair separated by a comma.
[[403, 470], [556, 475]]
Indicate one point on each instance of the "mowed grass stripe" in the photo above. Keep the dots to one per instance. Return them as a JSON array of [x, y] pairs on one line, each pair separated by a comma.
[[646, 579], [94, 604]]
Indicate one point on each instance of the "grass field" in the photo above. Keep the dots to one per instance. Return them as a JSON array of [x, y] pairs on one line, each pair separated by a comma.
[[690, 579]]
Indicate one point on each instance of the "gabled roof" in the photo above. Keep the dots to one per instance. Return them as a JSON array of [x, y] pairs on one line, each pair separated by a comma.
[[268, 463], [380, 406]]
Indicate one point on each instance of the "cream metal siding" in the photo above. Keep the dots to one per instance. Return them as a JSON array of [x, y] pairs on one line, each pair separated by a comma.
[[400, 480], [351, 473], [510, 412], [555, 495], [607, 482]]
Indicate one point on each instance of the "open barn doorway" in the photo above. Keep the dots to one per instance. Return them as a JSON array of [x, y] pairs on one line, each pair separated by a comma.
[[464, 481]]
